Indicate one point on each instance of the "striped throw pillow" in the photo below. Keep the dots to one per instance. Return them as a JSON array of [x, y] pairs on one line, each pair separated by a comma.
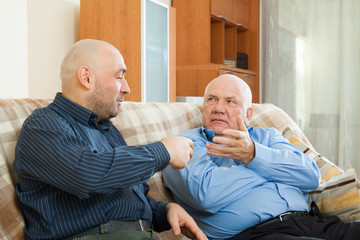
[[338, 193]]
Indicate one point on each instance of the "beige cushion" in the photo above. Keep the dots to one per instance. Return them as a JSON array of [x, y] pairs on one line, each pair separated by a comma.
[[142, 123], [12, 115], [338, 194]]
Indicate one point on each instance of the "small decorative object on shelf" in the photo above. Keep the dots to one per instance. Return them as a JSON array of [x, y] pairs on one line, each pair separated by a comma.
[[242, 60]]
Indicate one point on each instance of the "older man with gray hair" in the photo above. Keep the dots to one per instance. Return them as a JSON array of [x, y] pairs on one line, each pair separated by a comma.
[[244, 182]]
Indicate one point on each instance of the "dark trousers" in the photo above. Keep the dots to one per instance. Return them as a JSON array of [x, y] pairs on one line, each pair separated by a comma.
[[306, 227], [121, 235]]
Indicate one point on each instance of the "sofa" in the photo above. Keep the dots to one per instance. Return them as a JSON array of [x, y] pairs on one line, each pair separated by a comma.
[[142, 123]]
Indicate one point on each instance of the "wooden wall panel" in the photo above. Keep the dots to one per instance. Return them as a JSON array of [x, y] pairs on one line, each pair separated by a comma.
[[119, 23], [222, 8], [242, 12], [192, 31]]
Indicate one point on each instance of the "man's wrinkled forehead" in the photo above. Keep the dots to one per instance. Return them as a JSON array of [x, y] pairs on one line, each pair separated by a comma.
[[232, 91]]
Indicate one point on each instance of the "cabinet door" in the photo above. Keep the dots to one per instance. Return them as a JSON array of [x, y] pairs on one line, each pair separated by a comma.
[[192, 32], [222, 8], [241, 11], [117, 22], [192, 80]]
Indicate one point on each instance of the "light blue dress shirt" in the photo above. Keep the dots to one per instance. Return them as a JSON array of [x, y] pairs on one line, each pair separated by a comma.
[[226, 197]]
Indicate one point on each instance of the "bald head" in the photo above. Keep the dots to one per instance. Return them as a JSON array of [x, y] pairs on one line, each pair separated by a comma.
[[93, 76], [83, 53], [228, 83], [227, 101]]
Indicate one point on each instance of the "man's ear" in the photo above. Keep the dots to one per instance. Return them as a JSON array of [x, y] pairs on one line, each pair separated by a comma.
[[83, 76], [249, 114]]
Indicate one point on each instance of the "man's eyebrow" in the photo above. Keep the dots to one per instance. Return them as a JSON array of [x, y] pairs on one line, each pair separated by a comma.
[[210, 95], [231, 97], [121, 70]]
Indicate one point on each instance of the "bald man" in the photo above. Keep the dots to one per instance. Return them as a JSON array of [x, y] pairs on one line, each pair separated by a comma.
[[244, 182], [77, 176]]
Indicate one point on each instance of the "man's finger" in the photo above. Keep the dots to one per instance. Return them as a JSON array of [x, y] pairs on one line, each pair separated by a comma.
[[219, 154], [174, 223], [195, 230], [224, 140], [236, 134], [191, 143], [241, 124], [219, 148]]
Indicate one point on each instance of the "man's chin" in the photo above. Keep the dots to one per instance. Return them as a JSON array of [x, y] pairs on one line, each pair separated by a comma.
[[115, 113], [218, 130]]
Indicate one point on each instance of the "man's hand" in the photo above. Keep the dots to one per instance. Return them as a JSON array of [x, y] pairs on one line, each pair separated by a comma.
[[178, 219], [180, 150], [235, 144]]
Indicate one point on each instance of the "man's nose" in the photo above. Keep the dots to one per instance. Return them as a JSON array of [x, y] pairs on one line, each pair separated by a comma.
[[219, 107], [125, 89]]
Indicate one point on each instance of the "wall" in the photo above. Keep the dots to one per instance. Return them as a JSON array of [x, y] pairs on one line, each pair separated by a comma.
[[35, 36], [13, 49], [53, 26]]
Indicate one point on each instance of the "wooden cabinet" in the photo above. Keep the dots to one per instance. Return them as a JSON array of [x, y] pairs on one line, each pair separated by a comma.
[[249, 78], [235, 11], [223, 9], [241, 14], [211, 33], [119, 23], [198, 76]]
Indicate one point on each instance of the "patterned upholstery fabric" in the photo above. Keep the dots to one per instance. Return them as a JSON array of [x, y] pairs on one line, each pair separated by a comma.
[[338, 193], [12, 115], [140, 123]]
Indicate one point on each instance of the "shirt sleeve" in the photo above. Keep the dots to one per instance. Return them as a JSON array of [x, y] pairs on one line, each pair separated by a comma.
[[160, 222], [55, 155], [279, 161]]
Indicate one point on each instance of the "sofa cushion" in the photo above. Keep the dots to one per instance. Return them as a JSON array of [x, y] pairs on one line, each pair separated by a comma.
[[13, 112], [142, 123], [338, 193], [268, 115]]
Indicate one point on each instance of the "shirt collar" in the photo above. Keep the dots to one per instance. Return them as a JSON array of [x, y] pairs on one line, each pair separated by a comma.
[[78, 112], [208, 134]]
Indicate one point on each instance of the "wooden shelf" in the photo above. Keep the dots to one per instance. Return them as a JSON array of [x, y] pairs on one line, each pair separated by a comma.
[[218, 31], [239, 26], [198, 76]]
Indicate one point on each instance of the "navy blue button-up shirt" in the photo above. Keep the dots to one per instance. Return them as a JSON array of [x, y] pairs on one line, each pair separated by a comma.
[[74, 173]]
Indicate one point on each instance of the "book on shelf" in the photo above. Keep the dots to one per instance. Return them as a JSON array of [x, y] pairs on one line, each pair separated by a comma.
[[229, 62]]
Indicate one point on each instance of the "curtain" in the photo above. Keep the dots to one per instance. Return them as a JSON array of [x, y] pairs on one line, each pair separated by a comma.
[[310, 68]]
